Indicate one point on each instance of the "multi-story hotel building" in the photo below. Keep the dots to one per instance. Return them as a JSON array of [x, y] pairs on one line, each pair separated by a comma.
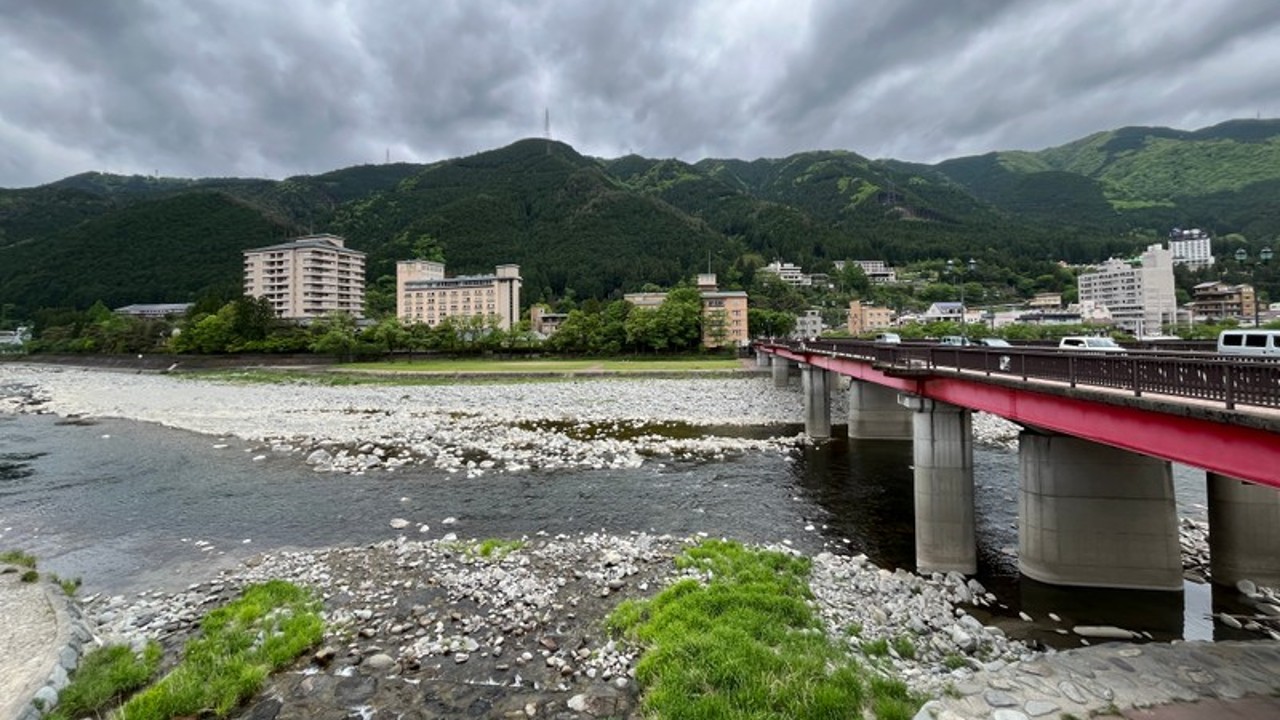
[[1140, 297], [425, 295], [1192, 248], [307, 277], [1216, 300], [724, 312]]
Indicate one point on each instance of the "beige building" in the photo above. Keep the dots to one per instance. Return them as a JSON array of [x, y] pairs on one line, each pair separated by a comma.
[[724, 312], [865, 318], [544, 322], [1217, 300], [425, 295], [307, 277]]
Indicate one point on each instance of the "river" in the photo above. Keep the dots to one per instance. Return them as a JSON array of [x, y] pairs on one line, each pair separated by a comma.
[[128, 506]]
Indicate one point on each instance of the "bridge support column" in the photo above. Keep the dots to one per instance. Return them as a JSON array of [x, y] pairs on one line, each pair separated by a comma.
[[780, 367], [762, 358], [1244, 531], [874, 413], [1096, 516], [943, 455], [817, 402]]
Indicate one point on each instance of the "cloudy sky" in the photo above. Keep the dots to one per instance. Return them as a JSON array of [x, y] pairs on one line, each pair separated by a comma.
[[272, 88]]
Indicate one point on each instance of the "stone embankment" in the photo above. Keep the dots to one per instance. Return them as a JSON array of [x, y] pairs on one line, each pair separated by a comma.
[[42, 638]]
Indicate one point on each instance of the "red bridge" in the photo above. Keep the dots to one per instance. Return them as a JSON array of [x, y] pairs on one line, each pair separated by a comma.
[[1096, 503]]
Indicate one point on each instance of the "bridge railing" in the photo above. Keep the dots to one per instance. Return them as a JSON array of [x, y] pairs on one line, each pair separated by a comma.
[[1200, 376]]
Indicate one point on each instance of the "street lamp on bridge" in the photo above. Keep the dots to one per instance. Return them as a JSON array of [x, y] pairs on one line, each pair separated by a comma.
[[958, 271], [1264, 257]]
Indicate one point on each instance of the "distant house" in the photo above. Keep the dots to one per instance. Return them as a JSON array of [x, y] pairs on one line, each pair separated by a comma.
[[154, 310], [14, 338]]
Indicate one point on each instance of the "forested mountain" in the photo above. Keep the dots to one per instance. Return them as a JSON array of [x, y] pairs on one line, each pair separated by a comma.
[[1222, 177], [588, 227]]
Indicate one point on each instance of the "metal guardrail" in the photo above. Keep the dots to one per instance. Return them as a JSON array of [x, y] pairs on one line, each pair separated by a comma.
[[1202, 376]]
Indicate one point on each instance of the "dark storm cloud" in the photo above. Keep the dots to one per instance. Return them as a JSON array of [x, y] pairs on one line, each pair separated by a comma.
[[242, 87]]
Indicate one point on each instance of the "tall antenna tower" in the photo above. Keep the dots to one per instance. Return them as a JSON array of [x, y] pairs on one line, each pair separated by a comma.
[[547, 127]]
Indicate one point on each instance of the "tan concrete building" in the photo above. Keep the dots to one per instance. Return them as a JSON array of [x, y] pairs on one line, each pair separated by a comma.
[[425, 295], [307, 277], [1217, 300], [724, 312], [865, 318]]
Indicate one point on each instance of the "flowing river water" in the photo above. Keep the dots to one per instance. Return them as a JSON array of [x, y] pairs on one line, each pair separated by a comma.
[[128, 506]]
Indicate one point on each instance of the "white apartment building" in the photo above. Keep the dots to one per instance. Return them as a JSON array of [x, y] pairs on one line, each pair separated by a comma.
[[809, 325], [788, 273], [425, 295], [307, 277], [1191, 248], [877, 271], [1140, 297]]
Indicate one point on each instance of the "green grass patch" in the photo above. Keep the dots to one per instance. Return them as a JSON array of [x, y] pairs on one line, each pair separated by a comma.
[[105, 677], [745, 644], [904, 647], [19, 558], [239, 645], [29, 576], [954, 662], [488, 549]]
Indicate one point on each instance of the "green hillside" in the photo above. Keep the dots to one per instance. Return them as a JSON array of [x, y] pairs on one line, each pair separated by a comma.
[[164, 250], [1137, 178], [590, 228]]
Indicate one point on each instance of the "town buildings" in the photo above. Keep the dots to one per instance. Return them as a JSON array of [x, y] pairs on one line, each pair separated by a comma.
[[787, 273], [543, 322], [724, 312], [877, 271], [425, 295], [154, 310], [809, 325], [1191, 248], [307, 277], [1219, 300], [1139, 295], [865, 318]]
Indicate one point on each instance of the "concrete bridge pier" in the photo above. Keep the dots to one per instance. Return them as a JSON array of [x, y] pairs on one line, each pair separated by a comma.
[[1244, 531], [780, 367], [762, 358], [1096, 516], [943, 455], [817, 401], [874, 413]]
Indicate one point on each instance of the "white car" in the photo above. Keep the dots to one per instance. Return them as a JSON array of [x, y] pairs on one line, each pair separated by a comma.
[[1090, 343]]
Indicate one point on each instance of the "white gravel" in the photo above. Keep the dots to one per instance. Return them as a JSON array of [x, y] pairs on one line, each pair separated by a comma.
[[472, 428]]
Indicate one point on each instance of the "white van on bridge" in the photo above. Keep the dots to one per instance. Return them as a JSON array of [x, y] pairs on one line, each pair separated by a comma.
[[1249, 342]]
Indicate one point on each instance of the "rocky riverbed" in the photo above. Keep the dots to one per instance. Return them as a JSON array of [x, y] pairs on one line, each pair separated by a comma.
[[430, 627], [436, 628], [466, 428]]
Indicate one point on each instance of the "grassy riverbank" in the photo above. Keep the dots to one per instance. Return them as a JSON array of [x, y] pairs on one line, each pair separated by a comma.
[[239, 646]]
